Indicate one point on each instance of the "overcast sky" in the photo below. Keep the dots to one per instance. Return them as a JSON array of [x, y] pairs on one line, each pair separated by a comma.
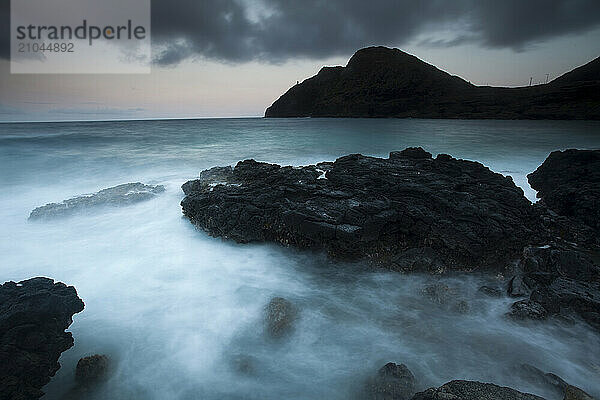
[[217, 58]]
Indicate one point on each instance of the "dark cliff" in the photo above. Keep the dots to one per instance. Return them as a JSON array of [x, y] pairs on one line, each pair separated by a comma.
[[384, 82]]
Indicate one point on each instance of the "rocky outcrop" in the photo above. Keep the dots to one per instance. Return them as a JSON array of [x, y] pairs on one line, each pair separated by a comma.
[[409, 212], [33, 317], [556, 281], [279, 317], [469, 390], [562, 278], [125, 194], [568, 182], [392, 382], [384, 82]]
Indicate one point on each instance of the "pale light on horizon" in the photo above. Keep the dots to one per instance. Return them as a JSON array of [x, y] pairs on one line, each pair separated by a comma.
[[197, 88]]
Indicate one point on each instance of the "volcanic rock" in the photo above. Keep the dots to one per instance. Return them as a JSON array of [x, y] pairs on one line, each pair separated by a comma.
[[33, 317], [409, 212], [568, 182], [558, 281]]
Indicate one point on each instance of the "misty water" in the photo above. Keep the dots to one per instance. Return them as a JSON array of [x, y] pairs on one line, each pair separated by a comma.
[[180, 313]]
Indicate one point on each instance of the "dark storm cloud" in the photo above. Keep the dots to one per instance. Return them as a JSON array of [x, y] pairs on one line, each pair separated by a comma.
[[275, 30], [515, 23]]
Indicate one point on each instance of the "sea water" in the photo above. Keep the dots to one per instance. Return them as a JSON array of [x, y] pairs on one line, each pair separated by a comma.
[[181, 314]]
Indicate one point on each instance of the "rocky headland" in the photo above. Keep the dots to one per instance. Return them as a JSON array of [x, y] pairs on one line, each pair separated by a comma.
[[383, 82]]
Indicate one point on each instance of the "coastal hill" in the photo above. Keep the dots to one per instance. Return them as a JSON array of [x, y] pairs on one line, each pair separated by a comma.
[[384, 82]]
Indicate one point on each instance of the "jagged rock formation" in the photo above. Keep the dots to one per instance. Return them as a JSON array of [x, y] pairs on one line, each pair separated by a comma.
[[125, 194], [384, 82], [33, 317], [562, 278], [409, 212], [556, 282], [568, 182]]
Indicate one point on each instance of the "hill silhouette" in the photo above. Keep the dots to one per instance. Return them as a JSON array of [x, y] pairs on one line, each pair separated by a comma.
[[384, 82]]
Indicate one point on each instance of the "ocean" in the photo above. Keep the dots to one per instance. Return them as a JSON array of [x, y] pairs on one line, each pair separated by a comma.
[[180, 314]]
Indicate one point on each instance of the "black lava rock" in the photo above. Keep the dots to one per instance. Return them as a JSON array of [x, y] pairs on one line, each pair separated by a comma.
[[557, 281], [33, 317], [568, 182], [409, 212]]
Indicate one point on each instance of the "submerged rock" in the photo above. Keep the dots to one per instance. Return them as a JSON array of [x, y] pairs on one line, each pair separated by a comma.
[[409, 212], [33, 317], [568, 182], [491, 291], [91, 369], [279, 317], [439, 293], [244, 364], [393, 382], [574, 393], [470, 390], [540, 378], [553, 382], [125, 194], [446, 297]]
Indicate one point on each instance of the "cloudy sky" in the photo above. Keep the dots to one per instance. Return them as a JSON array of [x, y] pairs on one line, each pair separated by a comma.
[[220, 58]]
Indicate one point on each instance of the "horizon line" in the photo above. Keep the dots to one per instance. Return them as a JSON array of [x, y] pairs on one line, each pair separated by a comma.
[[125, 119]]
